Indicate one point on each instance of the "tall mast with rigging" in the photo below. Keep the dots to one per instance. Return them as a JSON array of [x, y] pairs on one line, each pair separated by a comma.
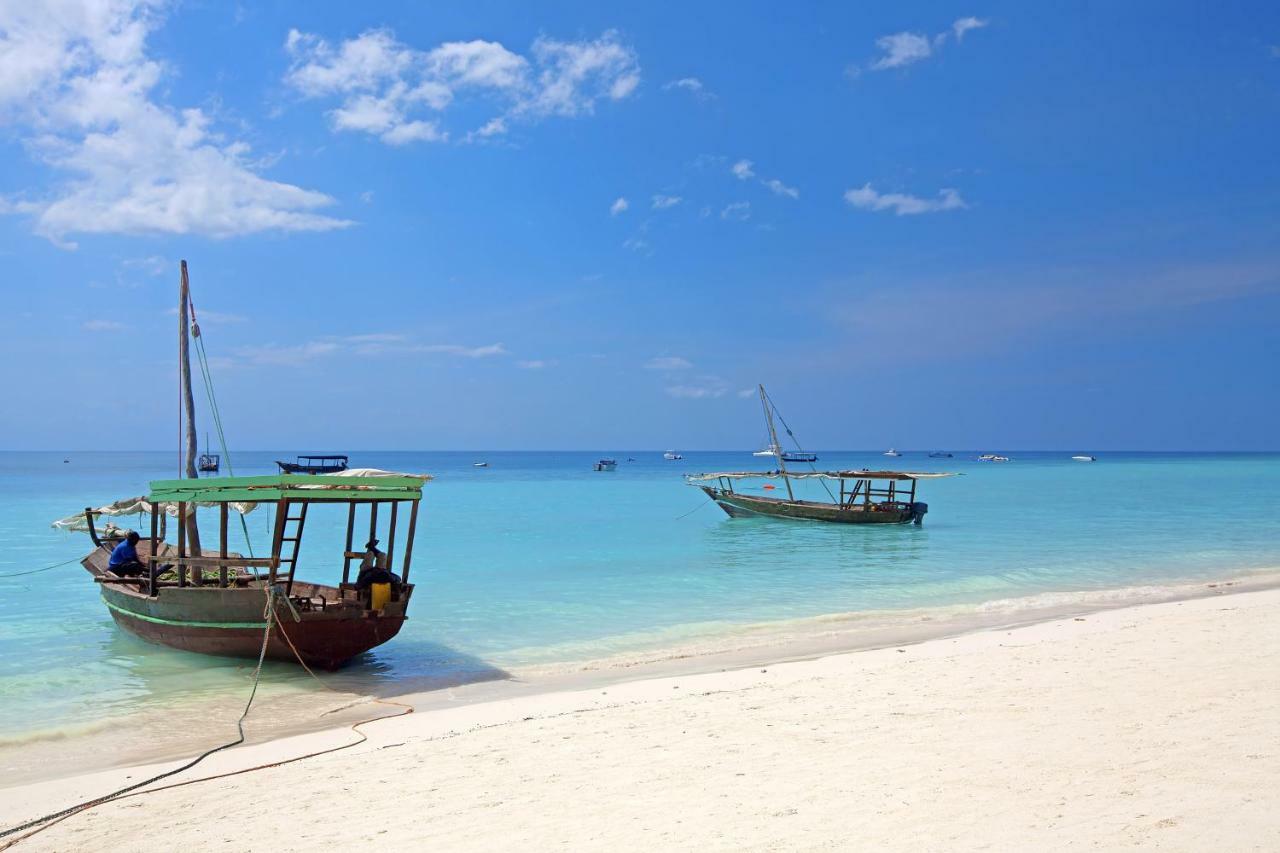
[[773, 439], [188, 403]]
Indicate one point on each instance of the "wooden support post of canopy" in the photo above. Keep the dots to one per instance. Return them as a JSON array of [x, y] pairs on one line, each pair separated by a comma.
[[391, 535], [222, 544], [277, 537], [182, 542], [153, 558], [408, 546], [351, 529]]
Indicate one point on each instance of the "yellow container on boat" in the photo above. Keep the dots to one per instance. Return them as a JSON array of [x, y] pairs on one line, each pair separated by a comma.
[[379, 595]]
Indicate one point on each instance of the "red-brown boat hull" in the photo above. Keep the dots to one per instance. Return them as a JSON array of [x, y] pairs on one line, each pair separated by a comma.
[[328, 627], [324, 645]]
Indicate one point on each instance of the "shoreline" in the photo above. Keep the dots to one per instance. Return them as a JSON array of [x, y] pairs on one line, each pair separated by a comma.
[[1151, 721], [288, 712]]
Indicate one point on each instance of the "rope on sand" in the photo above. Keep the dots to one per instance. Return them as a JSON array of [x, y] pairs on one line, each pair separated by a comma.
[[41, 824]]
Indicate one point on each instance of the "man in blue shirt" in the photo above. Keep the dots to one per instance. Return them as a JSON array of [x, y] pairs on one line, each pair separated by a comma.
[[124, 557]]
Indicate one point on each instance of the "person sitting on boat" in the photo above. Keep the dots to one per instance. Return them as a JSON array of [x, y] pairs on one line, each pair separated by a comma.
[[373, 568], [124, 557]]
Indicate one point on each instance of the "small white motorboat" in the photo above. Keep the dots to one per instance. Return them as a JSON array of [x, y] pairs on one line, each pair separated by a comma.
[[671, 455], [1083, 458], [768, 451], [479, 464], [892, 452]]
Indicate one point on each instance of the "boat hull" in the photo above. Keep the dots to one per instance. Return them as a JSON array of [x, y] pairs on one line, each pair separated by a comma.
[[230, 621], [745, 506], [295, 468]]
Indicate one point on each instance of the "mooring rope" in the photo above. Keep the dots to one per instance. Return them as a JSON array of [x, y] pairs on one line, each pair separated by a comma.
[[273, 593], [695, 509], [38, 571], [50, 819]]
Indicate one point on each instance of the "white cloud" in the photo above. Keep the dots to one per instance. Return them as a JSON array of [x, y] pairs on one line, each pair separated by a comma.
[[463, 351], [902, 204], [747, 392], [286, 356], [779, 188], [367, 196], [152, 265], [668, 362], [963, 25], [692, 85], [532, 364], [636, 244], [662, 202], [213, 318], [739, 210], [701, 388], [365, 344], [619, 205], [103, 326], [902, 49], [574, 75], [220, 318], [375, 338], [495, 126], [694, 392], [77, 83], [744, 170], [387, 87]]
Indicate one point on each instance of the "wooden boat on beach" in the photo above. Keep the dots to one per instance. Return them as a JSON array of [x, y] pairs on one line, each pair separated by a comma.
[[865, 497], [217, 602], [214, 602]]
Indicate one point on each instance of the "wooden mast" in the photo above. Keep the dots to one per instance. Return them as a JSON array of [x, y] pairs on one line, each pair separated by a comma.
[[188, 403], [773, 439]]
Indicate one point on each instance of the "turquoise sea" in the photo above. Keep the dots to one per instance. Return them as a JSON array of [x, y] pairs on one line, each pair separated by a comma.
[[537, 559]]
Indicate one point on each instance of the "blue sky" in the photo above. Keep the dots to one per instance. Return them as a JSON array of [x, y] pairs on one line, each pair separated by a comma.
[[490, 225]]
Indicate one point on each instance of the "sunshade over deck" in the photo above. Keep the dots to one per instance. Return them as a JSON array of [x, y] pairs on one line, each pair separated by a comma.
[[348, 486], [823, 475]]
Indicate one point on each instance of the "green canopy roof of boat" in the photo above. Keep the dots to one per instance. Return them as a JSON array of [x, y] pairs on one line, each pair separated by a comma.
[[357, 484], [825, 475]]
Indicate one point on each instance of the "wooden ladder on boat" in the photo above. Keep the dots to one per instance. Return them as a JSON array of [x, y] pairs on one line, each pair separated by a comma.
[[289, 542]]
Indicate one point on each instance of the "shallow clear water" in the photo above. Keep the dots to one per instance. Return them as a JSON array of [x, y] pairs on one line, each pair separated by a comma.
[[538, 559]]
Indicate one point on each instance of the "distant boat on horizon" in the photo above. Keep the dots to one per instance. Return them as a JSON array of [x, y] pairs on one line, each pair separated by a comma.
[[479, 464], [330, 464], [939, 455], [672, 455], [1083, 458], [892, 452], [605, 465]]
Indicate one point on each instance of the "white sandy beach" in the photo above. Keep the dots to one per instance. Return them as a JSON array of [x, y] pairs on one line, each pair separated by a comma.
[[1151, 726]]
